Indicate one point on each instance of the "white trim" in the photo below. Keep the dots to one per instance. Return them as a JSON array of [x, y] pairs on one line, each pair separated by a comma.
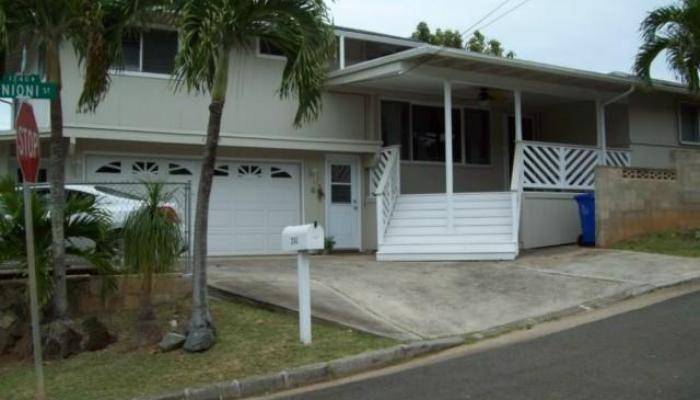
[[341, 51], [139, 74], [357, 191], [118, 134], [370, 37]]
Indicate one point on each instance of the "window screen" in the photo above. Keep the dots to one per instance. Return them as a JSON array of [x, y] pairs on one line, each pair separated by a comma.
[[396, 127], [131, 46], [429, 134], [159, 50], [689, 124]]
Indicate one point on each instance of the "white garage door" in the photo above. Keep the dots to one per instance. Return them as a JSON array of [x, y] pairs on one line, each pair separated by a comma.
[[251, 201]]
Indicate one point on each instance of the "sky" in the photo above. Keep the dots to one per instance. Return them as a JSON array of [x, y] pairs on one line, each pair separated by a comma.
[[597, 35]]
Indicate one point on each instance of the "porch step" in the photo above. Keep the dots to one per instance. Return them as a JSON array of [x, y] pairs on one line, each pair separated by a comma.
[[448, 238], [480, 196], [438, 229], [457, 213], [482, 228]]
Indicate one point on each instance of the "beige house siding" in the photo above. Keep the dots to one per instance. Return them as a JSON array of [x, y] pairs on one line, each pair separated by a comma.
[[253, 107], [653, 121]]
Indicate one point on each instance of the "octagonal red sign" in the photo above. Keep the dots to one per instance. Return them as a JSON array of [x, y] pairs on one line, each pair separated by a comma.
[[27, 142]]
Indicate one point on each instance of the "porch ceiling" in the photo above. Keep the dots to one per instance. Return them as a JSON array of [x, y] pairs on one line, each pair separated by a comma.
[[420, 70]]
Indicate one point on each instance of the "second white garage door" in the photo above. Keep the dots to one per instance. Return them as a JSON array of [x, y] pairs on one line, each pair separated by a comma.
[[251, 201]]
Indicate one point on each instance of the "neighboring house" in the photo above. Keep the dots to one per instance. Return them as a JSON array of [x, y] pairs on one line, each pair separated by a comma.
[[524, 138]]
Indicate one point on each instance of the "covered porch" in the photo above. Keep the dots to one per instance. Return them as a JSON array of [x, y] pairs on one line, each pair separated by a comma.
[[510, 126]]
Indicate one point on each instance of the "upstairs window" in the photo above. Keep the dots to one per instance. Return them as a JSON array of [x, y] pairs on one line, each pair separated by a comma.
[[267, 48], [689, 124], [152, 51]]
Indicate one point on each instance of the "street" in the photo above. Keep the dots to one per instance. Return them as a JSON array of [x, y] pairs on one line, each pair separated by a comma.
[[651, 353]]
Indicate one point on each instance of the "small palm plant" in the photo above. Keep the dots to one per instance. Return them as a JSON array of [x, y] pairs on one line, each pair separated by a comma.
[[88, 234], [152, 242]]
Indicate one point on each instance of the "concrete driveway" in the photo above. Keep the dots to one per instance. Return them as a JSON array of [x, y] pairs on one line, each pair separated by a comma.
[[413, 300]]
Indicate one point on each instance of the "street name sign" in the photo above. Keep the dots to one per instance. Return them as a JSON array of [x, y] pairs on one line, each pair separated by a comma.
[[26, 86]]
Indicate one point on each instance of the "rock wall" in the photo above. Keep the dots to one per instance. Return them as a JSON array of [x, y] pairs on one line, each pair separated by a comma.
[[633, 201], [85, 299]]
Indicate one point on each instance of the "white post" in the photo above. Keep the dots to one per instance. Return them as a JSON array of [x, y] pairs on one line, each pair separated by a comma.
[[304, 285], [341, 52], [449, 179], [517, 98], [33, 295], [602, 140]]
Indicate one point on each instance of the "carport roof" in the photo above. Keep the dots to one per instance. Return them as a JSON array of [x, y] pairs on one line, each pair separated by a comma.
[[434, 58]]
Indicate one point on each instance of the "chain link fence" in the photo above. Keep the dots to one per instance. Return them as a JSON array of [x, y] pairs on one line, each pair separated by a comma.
[[119, 199]]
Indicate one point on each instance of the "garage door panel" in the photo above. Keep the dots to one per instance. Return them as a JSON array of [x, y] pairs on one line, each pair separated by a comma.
[[251, 201]]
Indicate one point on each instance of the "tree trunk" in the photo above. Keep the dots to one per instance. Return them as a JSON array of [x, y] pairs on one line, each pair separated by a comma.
[[201, 334], [57, 172], [146, 312]]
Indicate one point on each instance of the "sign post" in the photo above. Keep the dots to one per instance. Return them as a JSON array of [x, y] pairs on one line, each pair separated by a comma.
[[28, 157]]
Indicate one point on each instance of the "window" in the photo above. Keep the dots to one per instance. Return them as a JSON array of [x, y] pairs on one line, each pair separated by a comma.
[[341, 183], [152, 51], [113, 167], [265, 47], [177, 169], [280, 173], [420, 130], [428, 127], [249, 171], [689, 124], [396, 126], [221, 170], [140, 167], [477, 128]]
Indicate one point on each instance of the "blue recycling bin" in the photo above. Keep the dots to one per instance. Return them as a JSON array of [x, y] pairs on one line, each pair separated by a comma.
[[586, 208]]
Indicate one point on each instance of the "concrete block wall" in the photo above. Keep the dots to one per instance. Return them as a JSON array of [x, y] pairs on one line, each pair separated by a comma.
[[632, 202]]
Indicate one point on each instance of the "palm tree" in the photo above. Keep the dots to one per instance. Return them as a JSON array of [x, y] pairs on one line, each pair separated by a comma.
[[87, 228], [210, 31], [94, 28], [152, 242], [676, 30]]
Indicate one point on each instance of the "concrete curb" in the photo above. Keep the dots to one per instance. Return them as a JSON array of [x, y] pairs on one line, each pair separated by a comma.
[[594, 304], [313, 373]]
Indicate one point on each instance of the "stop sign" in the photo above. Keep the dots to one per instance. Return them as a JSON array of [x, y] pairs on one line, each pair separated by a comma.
[[27, 142]]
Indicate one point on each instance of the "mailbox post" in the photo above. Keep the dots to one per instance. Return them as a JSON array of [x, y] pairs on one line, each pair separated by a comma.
[[302, 238]]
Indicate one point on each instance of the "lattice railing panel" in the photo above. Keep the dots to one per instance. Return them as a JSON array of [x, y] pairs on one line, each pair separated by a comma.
[[565, 167]]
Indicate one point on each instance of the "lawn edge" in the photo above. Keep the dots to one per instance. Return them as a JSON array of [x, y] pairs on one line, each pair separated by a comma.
[[311, 373]]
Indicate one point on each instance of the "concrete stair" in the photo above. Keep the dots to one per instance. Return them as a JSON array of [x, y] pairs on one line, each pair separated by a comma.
[[482, 228]]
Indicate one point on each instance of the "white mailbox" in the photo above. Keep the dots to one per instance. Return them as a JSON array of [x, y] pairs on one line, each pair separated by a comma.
[[303, 238]]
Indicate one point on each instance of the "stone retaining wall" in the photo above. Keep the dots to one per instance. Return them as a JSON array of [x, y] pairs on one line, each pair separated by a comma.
[[634, 201]]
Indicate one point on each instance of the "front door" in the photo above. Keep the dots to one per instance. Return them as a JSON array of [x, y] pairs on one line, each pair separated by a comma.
[[343, 218]]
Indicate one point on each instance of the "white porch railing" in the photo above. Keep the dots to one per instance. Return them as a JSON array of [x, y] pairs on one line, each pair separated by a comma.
[[564, 167], [385, 181]]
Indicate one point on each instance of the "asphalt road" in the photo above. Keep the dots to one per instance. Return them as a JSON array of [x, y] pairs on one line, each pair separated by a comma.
[[651, 353]]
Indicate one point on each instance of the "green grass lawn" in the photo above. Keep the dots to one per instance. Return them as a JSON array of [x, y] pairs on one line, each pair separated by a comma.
[[250, 341], [677, 243]]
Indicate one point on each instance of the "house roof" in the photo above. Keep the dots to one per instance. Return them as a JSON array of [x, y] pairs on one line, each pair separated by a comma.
[[423, 55]]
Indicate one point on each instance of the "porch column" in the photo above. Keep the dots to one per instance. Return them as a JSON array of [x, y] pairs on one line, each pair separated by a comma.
[[341, 52], [600, 124], [518, 100], [449, 180]]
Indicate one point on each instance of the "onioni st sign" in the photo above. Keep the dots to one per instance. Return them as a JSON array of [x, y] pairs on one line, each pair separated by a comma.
[[27, 142]]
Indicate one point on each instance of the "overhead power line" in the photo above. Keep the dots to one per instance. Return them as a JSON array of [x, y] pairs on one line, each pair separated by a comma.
[[522, 3], [490, 13]]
